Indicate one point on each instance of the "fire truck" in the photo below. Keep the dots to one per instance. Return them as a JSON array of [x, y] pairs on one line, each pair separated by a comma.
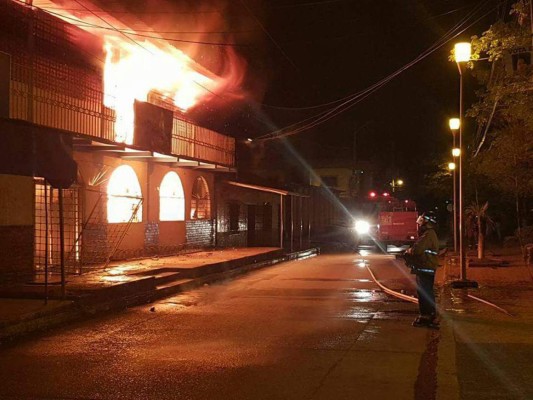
[[385, 221]]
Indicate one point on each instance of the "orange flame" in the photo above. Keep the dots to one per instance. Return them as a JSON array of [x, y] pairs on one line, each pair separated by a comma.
[[135, 68]]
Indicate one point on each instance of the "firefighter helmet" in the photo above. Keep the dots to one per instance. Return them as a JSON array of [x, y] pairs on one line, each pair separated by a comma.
[[428, 217]]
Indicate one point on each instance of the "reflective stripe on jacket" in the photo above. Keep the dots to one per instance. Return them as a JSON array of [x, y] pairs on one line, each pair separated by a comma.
[[426, 248]]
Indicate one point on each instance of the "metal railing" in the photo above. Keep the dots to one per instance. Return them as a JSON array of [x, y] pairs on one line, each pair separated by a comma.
[[58, 84], [84, 113]]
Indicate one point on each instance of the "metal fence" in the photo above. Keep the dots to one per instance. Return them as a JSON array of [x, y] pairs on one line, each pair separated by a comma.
[[89, 241], [47, 248]]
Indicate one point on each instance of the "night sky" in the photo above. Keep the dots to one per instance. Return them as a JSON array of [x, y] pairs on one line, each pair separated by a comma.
[[315, 52]]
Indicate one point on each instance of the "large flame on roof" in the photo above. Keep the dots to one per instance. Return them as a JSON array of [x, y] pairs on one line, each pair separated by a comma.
[[131, 72], [135, 68]]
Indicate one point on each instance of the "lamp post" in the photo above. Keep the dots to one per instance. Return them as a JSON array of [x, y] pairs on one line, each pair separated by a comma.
[[462, 56], [454, 123], [396, 183]]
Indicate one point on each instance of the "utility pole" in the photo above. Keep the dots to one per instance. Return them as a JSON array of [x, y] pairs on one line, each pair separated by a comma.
[[354, 149], [531, 22]]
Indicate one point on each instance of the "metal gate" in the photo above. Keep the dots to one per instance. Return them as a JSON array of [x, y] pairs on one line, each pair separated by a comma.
[[47, 247]]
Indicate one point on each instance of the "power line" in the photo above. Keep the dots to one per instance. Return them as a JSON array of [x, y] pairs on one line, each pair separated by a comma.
[[357, 94], [323, 105], [310, 4], [269, 35], [132, 33], [351, 100], [136, 12], [137, 43]]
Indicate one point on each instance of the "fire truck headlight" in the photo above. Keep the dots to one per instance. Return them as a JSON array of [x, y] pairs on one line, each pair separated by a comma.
[[362, 227]]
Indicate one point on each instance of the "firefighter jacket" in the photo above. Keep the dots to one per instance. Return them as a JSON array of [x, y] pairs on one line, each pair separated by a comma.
[[426, 249]]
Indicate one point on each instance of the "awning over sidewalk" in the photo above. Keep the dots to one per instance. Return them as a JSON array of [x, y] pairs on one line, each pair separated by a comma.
[[32, 150], [265, 189]]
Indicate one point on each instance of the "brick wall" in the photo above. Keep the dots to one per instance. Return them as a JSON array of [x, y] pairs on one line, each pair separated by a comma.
[[230, 239], [152, 245], [199, 233], [225, 236], [16, 247], [95, 246], [264, 208], [151, 234]]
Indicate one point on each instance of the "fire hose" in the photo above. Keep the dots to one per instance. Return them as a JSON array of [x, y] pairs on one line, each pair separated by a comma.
[[491, 304], [415, 300], [390, 291]]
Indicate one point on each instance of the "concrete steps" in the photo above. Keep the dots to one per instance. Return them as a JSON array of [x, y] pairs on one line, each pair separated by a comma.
[[173, 287]]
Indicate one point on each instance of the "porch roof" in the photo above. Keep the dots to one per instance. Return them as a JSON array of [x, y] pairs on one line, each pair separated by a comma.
[[265, 189]]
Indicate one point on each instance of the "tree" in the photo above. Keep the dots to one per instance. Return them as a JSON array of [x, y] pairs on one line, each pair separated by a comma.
[[507, 95], [478, 224], [509, 165], [503, 148]]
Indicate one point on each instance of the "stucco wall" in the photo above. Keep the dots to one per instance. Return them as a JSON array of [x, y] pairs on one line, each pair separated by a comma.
[[150, 236]]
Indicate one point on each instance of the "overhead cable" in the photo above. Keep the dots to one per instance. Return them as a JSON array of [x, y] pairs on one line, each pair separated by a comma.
[[349, 101]]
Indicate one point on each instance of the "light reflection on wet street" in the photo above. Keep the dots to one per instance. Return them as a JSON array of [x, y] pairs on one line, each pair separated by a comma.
[[313, 329]]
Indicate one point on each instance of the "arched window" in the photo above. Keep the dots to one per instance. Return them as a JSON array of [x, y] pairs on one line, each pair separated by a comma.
[[171, 198], [124, 197], [200, 202]]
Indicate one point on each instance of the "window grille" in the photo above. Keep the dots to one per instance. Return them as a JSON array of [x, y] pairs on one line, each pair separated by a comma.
[[201, 201], [47, 225]]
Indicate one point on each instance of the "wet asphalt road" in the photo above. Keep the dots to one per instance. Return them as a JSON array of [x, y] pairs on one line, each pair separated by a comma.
[[310, 329]]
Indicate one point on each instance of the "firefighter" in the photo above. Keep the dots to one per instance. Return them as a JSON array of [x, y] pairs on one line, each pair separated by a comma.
[[425, 251]]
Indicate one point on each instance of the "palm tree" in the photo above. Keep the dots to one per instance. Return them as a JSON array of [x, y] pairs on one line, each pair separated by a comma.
[[478, 223]]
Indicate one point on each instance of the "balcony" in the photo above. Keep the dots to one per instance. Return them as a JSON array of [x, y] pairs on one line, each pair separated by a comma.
[[55, 85]]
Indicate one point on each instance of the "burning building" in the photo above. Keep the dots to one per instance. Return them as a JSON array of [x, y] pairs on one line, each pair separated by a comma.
[[99, 160]]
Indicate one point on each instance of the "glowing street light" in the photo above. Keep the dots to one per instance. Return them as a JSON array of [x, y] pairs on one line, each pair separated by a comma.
[[456, 152], [396, 183], [454, 123], [462, 54]]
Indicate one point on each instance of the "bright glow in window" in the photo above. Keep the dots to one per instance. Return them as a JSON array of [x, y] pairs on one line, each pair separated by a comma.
[[200, 201], [124, 201], [171, 198]]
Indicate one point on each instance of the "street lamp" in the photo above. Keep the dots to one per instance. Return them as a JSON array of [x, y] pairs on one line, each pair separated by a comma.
[[456, 152], [462, 56], [396, 183], [454, 123]]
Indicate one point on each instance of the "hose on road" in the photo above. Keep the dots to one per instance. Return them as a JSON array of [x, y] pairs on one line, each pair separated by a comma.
[[415, 300], [491, 304], [390, 291]]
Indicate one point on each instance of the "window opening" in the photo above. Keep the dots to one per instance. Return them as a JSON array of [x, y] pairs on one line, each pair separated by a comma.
[[171, 198], [233, 212], [200, 202], [124, 202]]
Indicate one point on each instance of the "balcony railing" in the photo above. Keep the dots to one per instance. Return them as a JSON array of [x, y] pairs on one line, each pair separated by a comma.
[[57, 84], [80, 109]]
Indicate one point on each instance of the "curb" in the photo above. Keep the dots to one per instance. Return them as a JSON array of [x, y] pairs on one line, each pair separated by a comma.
[[40, 321], [447, 381], [142, 292], [234, 272]]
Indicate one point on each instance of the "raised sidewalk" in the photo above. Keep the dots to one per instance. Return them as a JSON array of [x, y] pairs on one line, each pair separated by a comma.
[[123, 284]]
